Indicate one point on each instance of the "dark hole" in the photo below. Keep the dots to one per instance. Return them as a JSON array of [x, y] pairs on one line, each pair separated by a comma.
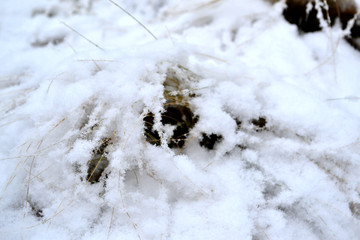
[[354, 42], [36, 210], [39, 213], [208, 141], [260, 122], [354, 38], [150, 135], [355, 30], [238, 123], [242, 147], [295, 13], [177, 115]]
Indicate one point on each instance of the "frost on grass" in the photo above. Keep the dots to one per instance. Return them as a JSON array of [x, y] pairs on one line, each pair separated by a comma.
[[223, 128]]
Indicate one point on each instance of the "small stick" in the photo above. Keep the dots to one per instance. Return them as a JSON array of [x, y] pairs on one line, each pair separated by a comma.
[[142, 25], [72, 29], [111, 221]]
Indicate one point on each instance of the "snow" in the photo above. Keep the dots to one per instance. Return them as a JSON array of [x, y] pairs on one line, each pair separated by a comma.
[[75, 73]]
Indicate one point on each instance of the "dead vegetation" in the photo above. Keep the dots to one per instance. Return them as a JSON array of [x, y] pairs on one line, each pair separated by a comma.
[[98, 162], [177, 111], [314, 15]]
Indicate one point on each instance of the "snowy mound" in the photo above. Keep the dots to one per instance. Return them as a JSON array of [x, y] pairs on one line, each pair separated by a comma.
[[214, 120]]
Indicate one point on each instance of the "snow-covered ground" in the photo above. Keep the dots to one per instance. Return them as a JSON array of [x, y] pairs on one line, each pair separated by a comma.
[[80, 76]]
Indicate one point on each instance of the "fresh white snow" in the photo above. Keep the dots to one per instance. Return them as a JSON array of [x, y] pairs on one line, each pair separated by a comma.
[[76, 72]]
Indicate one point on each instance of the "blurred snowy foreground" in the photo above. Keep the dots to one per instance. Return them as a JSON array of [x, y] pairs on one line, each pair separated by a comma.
[[272, 150]]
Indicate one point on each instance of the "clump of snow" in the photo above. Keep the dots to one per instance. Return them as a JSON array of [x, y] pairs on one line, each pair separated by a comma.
[[75, 73]]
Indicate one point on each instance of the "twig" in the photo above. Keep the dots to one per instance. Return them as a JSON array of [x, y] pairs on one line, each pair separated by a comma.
[[97, 65], [124, 207], [72, 29], [350, 98], [142, 25], [28, 188], [111, 221]]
